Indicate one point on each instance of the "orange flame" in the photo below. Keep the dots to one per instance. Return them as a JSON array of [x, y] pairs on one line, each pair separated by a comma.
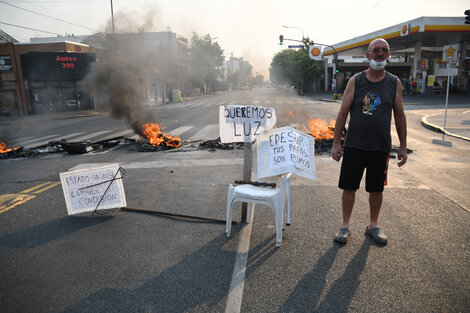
[[320, 129], [4, 149], [158, 138]]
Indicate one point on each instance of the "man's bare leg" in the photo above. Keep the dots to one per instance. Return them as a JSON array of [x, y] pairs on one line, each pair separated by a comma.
[[348, 199], [375, 203]]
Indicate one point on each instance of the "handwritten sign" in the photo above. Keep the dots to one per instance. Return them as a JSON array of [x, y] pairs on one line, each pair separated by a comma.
[[286, 150], [244, 123], [84, 189]]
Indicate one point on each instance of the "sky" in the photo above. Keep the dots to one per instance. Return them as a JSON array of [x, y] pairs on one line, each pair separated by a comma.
[[243, 28]]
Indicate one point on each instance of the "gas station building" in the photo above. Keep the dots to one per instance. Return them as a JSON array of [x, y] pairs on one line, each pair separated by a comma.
[[416, 53]]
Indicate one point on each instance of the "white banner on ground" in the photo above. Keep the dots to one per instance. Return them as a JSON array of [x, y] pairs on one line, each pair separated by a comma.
[[239, 123], [286, 150], [84, 189]]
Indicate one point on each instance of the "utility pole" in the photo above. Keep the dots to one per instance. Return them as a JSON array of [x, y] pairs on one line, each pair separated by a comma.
[[112, 15]]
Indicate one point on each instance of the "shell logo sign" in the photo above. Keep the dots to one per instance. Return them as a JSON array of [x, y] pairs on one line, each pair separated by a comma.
[[316, 52]]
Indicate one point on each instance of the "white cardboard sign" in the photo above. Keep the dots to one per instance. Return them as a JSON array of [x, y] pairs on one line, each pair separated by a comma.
[[83, 189], [286, 150], [244, 123]]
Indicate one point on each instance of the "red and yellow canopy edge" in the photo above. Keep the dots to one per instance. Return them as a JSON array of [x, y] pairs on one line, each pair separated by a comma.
[[415, 29]]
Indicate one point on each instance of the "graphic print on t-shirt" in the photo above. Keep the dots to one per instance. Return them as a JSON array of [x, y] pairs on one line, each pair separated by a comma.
[[371, 101]]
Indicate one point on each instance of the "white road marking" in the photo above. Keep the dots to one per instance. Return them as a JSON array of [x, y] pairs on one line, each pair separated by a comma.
[[37, 139], [173, 162], [91, 135], [40, 143], [178, 131], [235, 295], [208, 132]]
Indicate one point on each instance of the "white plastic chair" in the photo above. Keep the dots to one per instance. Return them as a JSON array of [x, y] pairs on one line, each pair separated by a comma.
[[268, 196]]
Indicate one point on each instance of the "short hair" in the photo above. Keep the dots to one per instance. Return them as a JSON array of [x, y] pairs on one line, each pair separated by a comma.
[[375, 40]]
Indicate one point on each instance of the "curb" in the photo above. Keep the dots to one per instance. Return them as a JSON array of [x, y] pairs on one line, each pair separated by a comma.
[[426, 124], [50, 117]]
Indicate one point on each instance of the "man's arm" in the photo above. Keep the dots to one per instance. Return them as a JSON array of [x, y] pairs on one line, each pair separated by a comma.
[[336, 151], [400, 124]]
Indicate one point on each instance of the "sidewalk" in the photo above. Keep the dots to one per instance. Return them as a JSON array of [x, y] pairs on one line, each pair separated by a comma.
[[16, 118], [457, 122]]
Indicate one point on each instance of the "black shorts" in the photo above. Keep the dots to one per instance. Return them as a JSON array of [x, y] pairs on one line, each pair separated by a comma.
[[353, 165]]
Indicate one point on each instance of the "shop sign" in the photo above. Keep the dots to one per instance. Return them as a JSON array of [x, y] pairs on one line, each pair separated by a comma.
[[5, 63], [57, 65], [422, 64]]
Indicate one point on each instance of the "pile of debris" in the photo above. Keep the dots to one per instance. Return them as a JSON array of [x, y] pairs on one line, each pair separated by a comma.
[[215, 144], [61, 146], [210, 145], [18, 153], [323, 146]]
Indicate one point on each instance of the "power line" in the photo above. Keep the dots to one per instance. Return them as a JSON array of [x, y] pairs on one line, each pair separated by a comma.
[[359, 15], [63, 13], [38, 30], [46, 16]]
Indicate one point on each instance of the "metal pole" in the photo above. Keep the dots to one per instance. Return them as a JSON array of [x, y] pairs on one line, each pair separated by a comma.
[[247, 165], [447, 100], [112, 15], [297, 28]]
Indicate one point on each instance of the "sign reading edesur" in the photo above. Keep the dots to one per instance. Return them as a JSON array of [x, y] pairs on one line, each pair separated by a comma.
[[286, 150], [84, 189], [244, 123]]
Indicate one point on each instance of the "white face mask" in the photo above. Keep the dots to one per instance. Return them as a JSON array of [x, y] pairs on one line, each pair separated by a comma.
[[377, 65]]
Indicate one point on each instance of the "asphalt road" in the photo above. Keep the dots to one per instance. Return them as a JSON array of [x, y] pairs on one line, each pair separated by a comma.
[[135, 262]]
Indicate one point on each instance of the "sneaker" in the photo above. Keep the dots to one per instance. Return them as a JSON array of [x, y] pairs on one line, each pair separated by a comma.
[[342, 236], [376, 235]]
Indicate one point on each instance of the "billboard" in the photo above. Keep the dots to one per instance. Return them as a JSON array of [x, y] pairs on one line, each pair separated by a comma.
[[39, 66]]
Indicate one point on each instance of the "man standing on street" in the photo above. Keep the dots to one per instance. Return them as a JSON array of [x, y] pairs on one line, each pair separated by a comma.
[[369, 99]]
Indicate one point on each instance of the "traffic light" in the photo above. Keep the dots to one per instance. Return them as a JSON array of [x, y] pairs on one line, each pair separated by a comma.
[[281, 39], [467, 17], [334, 76]]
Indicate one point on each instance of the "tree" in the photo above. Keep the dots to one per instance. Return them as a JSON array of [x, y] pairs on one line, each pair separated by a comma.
[[234, 79], [206, 57], [258, 80], [295, 67]]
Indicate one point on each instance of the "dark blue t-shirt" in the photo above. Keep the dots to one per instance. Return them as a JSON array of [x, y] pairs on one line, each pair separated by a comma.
[[371, 113]]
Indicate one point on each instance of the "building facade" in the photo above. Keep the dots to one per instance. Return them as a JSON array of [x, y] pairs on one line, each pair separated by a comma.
[[416, 53], [36, 77]]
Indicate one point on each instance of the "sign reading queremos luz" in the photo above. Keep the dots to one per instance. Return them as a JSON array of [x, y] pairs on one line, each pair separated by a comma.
[[239, 123], [5, 63]]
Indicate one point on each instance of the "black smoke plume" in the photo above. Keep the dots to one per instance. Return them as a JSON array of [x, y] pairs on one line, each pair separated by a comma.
[[118, 90]]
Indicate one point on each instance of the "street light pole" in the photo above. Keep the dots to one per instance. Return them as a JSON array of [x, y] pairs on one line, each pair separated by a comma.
[[297, 28], [112, 15]]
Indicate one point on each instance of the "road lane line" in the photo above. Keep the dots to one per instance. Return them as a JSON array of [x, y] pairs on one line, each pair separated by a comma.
[[234, 299], [208, 132], [47, 187], [9, 201], [92, 135], [35, 187], [37, 139], [178, 131]]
